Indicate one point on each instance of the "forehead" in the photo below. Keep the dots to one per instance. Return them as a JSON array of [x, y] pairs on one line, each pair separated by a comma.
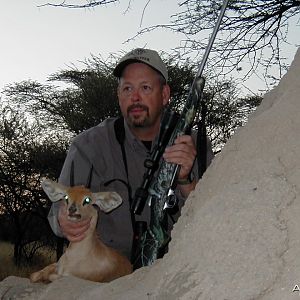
[[140, 71], [78, 192]]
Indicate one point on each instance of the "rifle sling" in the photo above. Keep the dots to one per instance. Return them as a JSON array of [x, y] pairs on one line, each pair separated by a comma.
[[201, 145], [120, 136]]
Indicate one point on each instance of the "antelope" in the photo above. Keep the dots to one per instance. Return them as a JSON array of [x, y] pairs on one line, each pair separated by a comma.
[[89, 258]]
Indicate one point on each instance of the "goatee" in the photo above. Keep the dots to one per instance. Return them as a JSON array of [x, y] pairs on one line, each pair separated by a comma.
[[140, 120]]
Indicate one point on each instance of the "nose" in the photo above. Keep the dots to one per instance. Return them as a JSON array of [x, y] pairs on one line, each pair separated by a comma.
[[72, 208], [135, 95]]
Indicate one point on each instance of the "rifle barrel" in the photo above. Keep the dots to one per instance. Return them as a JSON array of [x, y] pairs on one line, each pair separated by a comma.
[[212, 39]]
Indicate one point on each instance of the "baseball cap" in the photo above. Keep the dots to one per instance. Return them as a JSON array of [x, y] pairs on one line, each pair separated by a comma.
[[146, 56]]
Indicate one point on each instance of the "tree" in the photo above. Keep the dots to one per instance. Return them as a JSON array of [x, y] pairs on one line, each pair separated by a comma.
[[90, 97], [251, 30], [226, 111], [88, 4], [26, 157], [252, 34]]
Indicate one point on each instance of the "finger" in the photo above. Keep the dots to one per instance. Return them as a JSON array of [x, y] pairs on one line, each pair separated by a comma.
[[74, 229], [186, 139], [184, 159], [71, 229], [75, 234], [75, 238], [180, 158], [180, 151], [79, 224], [183, 143], [185, 165]]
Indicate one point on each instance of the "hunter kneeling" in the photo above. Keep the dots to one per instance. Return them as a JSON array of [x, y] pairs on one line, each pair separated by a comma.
[[90, 258]]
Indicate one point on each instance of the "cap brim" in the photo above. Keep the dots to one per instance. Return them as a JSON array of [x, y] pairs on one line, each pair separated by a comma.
[[121, 66]]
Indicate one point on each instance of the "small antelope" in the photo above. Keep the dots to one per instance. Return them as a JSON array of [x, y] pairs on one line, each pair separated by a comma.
[[90, 258]]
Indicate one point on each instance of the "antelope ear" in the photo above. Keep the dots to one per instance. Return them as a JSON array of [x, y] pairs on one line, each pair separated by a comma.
[[54, 190], [107, 201]]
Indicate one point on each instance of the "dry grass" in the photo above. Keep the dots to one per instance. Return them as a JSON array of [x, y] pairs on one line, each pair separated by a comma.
[[8, 268]]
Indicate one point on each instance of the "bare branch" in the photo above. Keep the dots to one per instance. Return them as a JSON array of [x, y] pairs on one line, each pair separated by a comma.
[[252, 32], [143, 13], [89, 4]]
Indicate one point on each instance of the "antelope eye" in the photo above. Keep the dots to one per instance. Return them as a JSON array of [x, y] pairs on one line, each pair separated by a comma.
[[87, 200], [66, 199]]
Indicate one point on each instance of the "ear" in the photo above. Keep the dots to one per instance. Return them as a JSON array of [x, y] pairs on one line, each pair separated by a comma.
[[54, 190], [166, 94], [107, 201]]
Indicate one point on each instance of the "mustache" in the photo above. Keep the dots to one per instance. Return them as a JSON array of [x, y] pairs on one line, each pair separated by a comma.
[[139, 106]]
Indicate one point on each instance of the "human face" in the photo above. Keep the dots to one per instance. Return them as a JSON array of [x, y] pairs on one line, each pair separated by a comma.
[[142, 96]]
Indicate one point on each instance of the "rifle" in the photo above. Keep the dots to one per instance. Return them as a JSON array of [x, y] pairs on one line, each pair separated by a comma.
[[158, 191]]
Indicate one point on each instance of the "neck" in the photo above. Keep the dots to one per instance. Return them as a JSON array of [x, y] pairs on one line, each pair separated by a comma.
[[144, 134]]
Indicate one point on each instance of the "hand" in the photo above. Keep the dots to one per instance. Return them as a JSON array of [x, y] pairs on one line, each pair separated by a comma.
[[73, 231], [183, 153]]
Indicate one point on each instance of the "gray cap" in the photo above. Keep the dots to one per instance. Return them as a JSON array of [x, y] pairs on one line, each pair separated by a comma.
[[146, 56]]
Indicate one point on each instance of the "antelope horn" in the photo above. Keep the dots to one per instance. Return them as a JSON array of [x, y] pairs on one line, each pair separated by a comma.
[[72, 174], [89, 181]]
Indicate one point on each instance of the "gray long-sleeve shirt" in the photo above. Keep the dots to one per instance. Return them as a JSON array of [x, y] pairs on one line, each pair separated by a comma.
[[98, 147]]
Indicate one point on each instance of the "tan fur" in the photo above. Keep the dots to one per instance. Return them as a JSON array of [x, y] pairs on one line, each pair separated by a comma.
[[90, 258]]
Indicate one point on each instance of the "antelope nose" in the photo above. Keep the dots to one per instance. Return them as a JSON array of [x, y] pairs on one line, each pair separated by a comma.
[[72, 209]]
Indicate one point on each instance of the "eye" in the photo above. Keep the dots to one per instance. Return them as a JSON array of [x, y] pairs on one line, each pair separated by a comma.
[[87, 200], [146, 88], [127, 89], [66, 198]]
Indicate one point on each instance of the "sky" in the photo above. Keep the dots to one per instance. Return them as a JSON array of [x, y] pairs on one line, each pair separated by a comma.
[[39, 41]]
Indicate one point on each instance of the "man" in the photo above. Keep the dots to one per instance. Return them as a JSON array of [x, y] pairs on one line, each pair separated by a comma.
[[143, 93]]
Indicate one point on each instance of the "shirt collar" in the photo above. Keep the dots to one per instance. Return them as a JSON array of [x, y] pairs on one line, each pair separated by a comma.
[[132, 139]]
